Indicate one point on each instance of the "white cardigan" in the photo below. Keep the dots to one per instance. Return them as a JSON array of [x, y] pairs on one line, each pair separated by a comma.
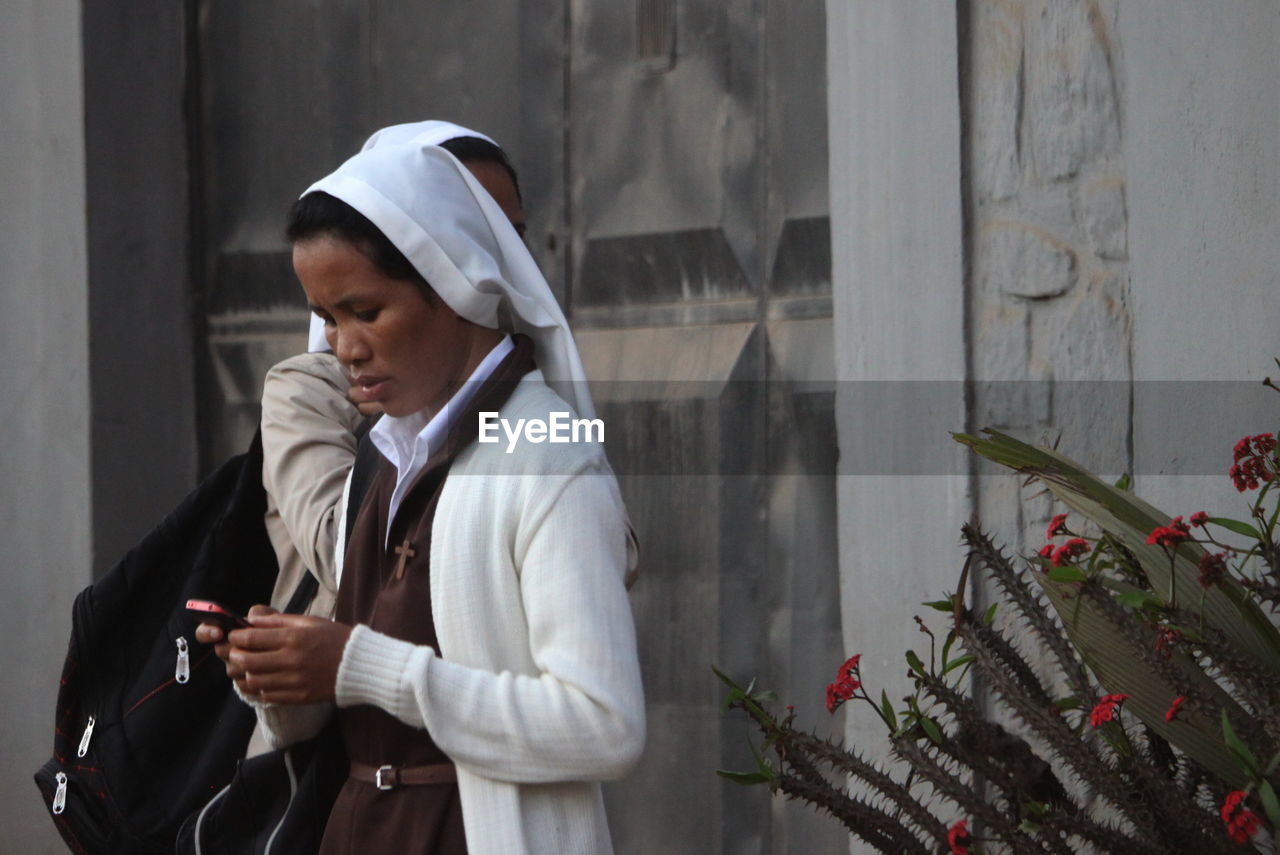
[[536, 693]]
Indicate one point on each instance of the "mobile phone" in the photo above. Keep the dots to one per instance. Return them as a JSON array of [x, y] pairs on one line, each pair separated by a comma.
[[210, 612]]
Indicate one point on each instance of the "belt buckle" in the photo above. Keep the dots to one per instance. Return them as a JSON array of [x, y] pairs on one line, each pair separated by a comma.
[[389, 782]]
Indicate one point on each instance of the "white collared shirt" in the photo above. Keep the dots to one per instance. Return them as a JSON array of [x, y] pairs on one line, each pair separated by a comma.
[[408, 441]]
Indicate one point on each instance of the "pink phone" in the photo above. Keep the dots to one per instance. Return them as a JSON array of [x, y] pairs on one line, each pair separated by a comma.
[[210, 612]]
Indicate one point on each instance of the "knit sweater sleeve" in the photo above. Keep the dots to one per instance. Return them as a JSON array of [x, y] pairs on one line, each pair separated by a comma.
[[578, 714], [287, 724]]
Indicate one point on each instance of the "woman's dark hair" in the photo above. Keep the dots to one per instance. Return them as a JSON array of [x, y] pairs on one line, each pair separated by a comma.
[[476, 150], [318, 214]]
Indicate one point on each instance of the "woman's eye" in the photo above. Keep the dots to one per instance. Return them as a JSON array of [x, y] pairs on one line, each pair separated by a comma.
[[367, 316]]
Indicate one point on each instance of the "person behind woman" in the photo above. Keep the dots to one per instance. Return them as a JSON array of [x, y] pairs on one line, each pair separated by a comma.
[[482, 627]]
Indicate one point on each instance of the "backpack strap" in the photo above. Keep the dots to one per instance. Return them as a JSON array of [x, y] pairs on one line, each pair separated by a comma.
[[303, 594], [362, 473]]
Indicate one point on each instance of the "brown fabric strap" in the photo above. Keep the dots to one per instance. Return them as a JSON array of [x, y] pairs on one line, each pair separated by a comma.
[[390, 777]]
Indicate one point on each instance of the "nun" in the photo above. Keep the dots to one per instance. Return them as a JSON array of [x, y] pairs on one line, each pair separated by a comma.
[[482, 658]]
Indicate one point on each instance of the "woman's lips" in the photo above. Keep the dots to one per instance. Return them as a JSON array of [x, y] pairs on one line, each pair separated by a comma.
[[372, 387]]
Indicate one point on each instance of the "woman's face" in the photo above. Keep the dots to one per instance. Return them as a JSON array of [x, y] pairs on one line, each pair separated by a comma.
[[405, 352]]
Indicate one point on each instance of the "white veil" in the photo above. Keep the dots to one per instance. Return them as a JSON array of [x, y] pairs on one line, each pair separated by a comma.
[[434, 211]]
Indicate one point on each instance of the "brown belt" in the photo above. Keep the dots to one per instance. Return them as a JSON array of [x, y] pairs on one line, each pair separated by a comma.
[[390, 777]]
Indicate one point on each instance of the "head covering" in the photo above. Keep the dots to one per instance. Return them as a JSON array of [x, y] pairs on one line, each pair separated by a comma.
[[430, 132], [434, 211]]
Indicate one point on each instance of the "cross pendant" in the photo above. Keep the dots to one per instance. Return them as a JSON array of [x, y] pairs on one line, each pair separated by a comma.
[[406, 551]]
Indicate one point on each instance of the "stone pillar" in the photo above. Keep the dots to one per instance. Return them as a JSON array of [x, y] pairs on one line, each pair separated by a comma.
[[44, 419], [899, 315], [1049, 295]]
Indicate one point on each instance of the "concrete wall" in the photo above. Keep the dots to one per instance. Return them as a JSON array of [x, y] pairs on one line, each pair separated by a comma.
[[899, 316], [1202, 127], [44, 391]]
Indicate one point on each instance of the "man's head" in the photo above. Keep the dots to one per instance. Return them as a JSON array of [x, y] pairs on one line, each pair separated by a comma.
[[490, 166]]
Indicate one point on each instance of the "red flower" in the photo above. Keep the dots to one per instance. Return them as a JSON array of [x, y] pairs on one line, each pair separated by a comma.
[[1213, 569], [1073, 548], [958, 837], [839, 692], [1105, 711], [845, 684], [1046, 551], [1166, 637], [1199, 518], [1171, 534], [1240, 821], [1262, 445], [1058, 525], [1251, 456], [1174, 708]]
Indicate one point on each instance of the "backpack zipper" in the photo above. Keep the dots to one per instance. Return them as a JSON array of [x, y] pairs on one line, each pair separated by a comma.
[[84, 739], [60, 796], [182, 673]]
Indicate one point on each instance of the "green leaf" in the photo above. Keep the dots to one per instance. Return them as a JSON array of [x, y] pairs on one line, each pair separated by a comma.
[[931, 729], [914, 661], [1029, 827], [728, 681], [1129, 520], [762, 766], [746, 779], [1066, 704], [1237, 526], [1270, 804], [940, 605], [989, 617], [956, 663], [1034, 808], [887, 709], [1114, 657], [1239, 749], [1067, 574], [1137, 599], [1124, 482]]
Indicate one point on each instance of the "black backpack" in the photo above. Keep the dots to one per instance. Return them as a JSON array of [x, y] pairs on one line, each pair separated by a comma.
[[278, 803], [148, 727]]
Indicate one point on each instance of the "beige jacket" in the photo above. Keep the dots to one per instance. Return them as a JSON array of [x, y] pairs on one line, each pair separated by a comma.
[[308, 447]]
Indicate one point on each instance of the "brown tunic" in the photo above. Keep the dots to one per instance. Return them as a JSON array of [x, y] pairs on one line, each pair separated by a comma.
[[424, 819]]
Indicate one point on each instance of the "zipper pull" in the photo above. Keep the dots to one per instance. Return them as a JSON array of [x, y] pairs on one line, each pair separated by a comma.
[[183, 672], [60, 795], [84, 740]]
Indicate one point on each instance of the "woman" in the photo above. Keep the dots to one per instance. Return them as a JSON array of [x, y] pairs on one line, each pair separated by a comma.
[[482, 630]]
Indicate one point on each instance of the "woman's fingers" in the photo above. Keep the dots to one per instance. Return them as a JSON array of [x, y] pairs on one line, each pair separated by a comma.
[[208, 633], [288, 658]]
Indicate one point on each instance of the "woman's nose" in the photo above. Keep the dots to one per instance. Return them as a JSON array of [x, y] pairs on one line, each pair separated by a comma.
[[348, 345]]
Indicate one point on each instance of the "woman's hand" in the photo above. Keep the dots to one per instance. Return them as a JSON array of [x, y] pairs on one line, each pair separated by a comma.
[[281, 659], [366, 405]]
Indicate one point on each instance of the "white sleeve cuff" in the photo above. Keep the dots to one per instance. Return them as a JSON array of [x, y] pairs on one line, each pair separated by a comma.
[[375, 670], [286, 724]]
